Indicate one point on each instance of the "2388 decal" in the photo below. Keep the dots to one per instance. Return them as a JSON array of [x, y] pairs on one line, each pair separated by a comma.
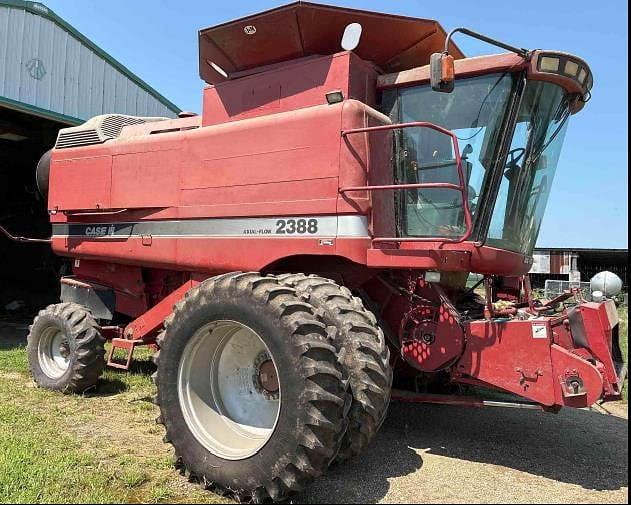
[[296, 226]]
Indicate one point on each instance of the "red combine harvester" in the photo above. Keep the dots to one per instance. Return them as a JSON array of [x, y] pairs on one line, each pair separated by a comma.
[[310, 235]]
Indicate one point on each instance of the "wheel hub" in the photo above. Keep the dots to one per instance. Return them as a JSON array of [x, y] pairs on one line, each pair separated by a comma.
[[267, 376], [64, 350]]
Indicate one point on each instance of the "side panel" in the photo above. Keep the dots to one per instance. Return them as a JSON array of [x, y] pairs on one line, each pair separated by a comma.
[[520, 357], [511, 356], [600, 320], [146, 179], [80, 183], [259, 153], [219, 247]]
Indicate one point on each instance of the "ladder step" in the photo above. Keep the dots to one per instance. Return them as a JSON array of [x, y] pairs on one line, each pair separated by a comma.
[[127, 345]]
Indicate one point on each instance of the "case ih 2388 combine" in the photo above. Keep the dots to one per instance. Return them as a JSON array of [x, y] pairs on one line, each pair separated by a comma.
[[309, 236]]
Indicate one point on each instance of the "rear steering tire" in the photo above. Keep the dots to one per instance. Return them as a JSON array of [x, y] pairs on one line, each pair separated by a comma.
[[366, 356], [250, 389], [66, 351]]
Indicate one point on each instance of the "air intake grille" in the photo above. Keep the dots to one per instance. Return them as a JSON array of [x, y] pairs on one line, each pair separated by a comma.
[[99, 129], [112, 125], [74, 139]]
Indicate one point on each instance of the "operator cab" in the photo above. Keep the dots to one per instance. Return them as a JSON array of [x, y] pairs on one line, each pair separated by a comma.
[[509, 115]]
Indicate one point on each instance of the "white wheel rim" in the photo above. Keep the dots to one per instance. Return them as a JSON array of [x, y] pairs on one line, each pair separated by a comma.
[[53, 353], [228, 389]]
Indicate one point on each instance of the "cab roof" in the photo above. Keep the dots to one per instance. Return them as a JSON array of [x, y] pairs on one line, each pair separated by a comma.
[[300, 29]]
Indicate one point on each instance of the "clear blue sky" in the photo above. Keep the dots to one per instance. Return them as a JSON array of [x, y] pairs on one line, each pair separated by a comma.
[[157, 40]]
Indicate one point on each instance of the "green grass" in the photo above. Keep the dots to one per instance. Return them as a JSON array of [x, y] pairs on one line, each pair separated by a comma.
[[39, 463], [104, 447], [13, 360]]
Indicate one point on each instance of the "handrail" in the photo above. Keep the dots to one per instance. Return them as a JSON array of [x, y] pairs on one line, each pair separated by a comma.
[[96, 212], [423, 185], [400, 126], [462, 187]]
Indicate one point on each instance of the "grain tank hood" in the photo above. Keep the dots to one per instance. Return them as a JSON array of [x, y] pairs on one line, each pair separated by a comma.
[[302, 29]]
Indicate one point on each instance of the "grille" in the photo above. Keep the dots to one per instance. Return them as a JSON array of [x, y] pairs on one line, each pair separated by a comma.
[[112, 125], [80, 138], [99, 129]]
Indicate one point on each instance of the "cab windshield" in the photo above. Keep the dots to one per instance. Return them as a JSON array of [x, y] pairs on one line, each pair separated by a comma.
[[477, 112], [530, 168]]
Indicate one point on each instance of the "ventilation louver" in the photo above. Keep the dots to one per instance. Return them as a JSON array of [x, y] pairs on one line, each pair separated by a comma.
[[99, 129]]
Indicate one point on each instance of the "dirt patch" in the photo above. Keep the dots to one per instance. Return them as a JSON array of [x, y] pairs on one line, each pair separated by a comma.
[[618, 409], [11, 376]]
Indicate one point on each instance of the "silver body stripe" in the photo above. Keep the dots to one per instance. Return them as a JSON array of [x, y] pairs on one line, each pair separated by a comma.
[[267, 227]]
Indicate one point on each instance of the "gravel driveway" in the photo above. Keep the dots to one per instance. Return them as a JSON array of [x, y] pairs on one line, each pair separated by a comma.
[[446, 454]]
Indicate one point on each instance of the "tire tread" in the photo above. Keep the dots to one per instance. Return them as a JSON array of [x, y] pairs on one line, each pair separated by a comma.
[[325, 386], [365, 351]]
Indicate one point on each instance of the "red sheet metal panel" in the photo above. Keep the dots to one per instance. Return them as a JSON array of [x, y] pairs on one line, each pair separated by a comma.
[[71, 176], [301, 84], [521, 357], [511, 356], [301, 29]]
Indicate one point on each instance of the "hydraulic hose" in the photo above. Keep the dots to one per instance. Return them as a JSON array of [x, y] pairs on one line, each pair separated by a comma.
[[23, 240]]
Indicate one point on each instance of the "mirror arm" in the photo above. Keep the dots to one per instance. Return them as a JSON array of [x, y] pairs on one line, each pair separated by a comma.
[[525, 53]]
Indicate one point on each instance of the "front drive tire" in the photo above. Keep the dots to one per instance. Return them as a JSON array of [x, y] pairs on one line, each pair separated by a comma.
[[66, 351], [366, 356], [250, 389]]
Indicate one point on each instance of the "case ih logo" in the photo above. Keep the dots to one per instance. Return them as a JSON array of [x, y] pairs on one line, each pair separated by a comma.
[[99, 231], [36, 68]]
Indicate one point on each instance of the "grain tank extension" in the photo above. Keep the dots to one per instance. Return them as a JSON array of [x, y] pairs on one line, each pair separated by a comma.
[[307, 239]]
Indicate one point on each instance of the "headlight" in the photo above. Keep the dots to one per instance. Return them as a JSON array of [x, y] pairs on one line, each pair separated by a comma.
[[549, 64], [564, 65]]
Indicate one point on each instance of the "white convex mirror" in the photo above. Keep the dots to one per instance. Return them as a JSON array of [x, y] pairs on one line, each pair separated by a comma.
[[352, 34]]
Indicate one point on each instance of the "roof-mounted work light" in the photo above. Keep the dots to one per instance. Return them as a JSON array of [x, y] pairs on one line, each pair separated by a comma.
[[565, 69], [565, 65]]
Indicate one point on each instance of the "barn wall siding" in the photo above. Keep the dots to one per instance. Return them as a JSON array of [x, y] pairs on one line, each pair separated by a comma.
[[44, 65]]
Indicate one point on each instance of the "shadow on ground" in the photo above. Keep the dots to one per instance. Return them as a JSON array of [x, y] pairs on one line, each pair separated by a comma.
[[111, 385], [578, 447]]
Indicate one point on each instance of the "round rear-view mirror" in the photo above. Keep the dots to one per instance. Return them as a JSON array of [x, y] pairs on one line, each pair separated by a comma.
[[352, 34]]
